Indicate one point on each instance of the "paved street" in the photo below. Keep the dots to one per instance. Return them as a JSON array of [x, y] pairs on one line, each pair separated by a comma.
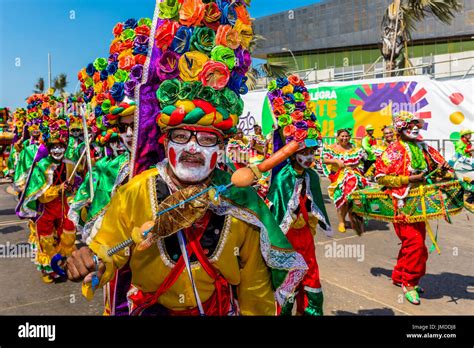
[[355, 272]]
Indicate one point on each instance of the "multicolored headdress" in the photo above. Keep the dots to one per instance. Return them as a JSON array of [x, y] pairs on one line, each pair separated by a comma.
[[293, 109], [109, 84], [42, 109], [402, 119], [195, 71], [55, 132], [203, 62]]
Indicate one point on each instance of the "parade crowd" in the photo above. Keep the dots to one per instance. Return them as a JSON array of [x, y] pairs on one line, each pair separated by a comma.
[[146, 186]]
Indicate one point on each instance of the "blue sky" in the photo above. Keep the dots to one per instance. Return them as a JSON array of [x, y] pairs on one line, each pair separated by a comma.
[[75, 32]]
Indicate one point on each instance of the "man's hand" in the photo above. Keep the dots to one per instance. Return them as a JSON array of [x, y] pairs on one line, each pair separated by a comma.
[[445, 166], [340, 163], [81, 263], [417, 178]]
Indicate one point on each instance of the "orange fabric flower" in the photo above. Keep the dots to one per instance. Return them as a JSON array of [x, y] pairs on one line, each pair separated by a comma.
[[227, 36], [243, 14], [295, 80], [126, 63], [214, 74], [191, 13], [289, 130], [96, 77], [297, 116]]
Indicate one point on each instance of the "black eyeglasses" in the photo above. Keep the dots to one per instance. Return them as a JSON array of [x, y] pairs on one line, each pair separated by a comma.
[[203, 138]]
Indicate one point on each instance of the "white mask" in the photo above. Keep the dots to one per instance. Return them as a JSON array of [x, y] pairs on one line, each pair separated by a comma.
[[191, 169], [411, 134], [305, 160], [57, 152], [127, 138]]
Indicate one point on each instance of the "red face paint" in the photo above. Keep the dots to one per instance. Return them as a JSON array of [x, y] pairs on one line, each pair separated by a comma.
[[213, 160], [172, 157]]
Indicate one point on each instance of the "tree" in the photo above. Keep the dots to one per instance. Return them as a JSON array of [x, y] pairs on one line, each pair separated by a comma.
[[400, 20], [39, 87], [60, 83], [267, 69]]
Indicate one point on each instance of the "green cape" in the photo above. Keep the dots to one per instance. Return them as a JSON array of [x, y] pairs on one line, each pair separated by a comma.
[[25, 161], [284, 197], [108, 173], [41, 179], [287, 266]]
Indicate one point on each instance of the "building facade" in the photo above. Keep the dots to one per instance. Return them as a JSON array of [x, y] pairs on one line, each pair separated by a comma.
[[333, 39]]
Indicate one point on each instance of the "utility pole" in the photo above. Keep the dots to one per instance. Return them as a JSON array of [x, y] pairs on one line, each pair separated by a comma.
[[49, 70]]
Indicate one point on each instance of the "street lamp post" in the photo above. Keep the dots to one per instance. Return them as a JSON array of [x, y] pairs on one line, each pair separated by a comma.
[[285, 49]]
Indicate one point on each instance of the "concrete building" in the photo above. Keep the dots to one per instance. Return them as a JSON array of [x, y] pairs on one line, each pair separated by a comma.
[[340, 40]]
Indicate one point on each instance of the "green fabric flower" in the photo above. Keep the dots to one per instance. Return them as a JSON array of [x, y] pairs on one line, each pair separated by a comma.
[[121, 75], [298, 97], [203, 40], [307, 114], [284, 120], [127, 34], [188, 90], [228, 99], [169, 9], [100, 64], [145, 21], [88, 82], [224, 55], [168, 92], [272, 85], [290, 108], [312, 133], [208, 94], [106, 106]]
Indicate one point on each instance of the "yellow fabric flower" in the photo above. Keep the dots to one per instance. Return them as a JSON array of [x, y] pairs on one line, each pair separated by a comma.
[[190, 65]]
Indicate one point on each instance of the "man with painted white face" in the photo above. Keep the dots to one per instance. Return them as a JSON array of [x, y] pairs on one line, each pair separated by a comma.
[[297, 203], [230, 265], [45, 200], [405, 164]]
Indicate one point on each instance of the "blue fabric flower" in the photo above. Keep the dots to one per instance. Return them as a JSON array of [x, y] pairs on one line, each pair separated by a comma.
[[229, 15], [103, 75], [112, 68], [90, 69], [182, 39], [288, 98], [130, 24], [98, 111], [117, 91], [282, 82], [140, 50]]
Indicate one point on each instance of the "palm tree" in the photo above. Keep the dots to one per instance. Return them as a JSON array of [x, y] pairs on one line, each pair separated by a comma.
[[39, 87], [400, 20], [60, 83], [267, 69]]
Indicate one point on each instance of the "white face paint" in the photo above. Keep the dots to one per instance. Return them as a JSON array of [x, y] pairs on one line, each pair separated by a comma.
[[127, 138], [191, 162], [304, 160], [57, 152], [76, 133], [411, 134]]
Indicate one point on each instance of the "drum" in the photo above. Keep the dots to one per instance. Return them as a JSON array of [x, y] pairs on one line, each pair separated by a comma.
[[424, 202], [6, 138]]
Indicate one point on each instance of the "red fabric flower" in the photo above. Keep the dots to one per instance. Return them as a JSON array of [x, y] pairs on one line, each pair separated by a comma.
[[214, 74], [126, 63], [142, 30], [165, 34], [300, 134], [140, 59], [118, 29], [297, 116], [289, 130]]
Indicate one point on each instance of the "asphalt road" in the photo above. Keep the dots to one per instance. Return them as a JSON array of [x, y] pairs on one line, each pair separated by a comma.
[[355, 272]]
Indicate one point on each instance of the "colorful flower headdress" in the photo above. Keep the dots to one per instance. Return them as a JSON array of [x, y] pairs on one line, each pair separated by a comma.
[[43, 109], [293, 109], [55, 130], [107, 82], [403, 118], [202, 62]]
